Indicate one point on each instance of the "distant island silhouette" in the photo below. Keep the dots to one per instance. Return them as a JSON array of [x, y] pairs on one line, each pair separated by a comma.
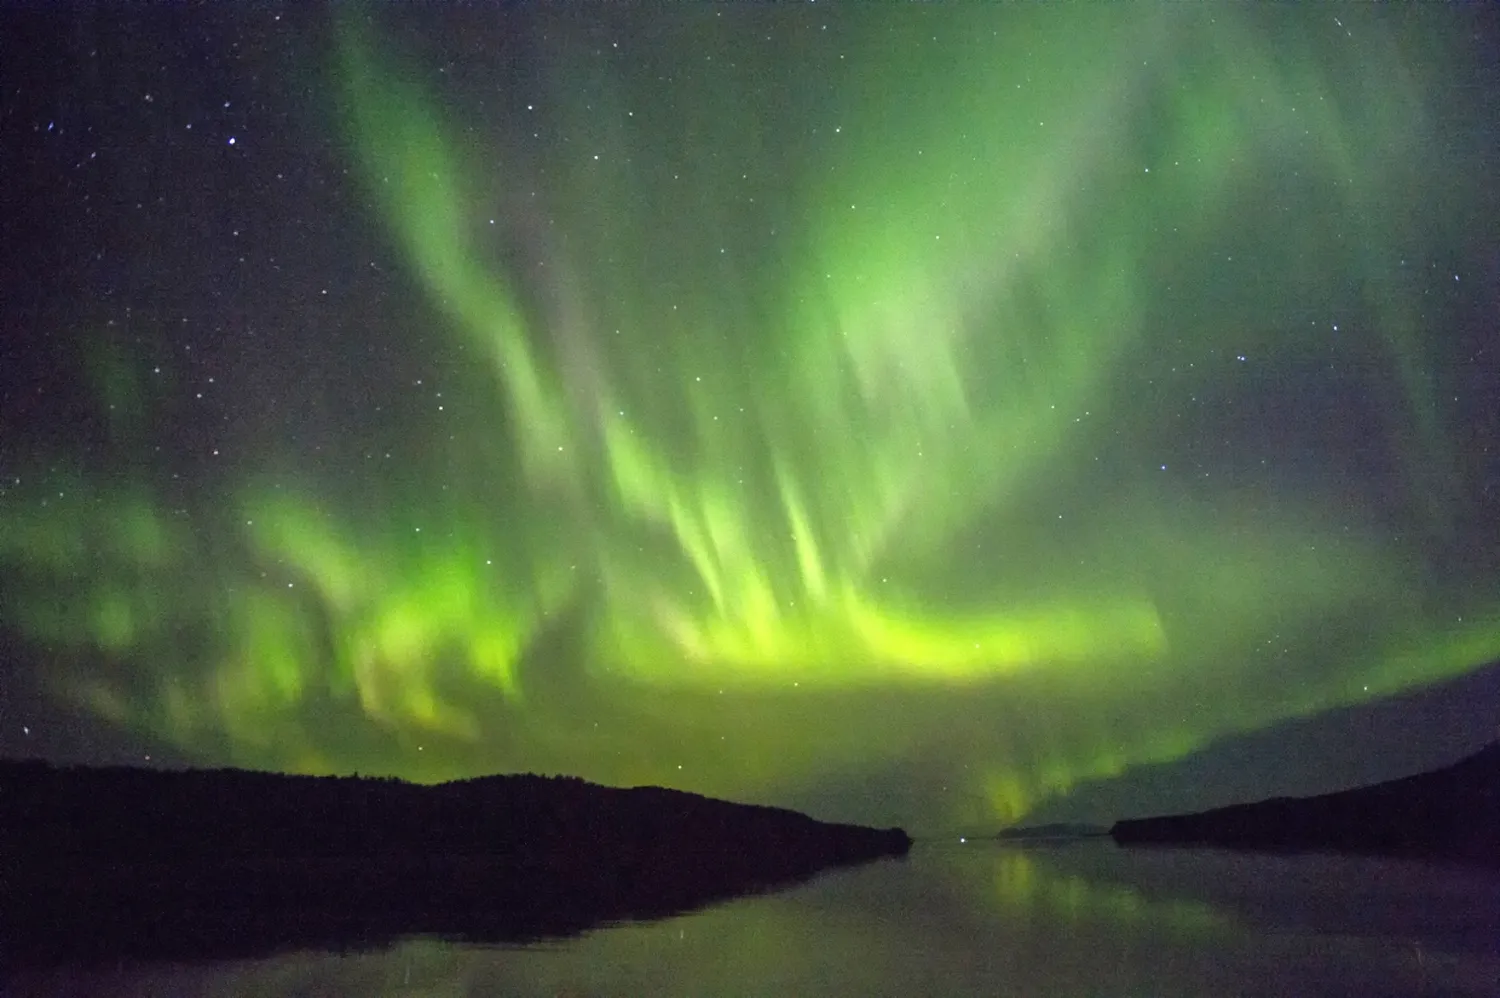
[[123, 862], [1451, 813], [1056, 831]]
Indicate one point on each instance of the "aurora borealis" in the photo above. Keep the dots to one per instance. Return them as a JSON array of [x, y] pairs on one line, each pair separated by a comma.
[[918, 409]]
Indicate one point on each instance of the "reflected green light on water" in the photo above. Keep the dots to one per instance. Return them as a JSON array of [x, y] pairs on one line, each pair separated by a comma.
[[1027, 887], [950, 920]]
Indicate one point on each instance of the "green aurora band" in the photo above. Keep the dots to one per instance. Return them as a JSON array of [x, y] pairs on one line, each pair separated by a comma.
[[759, 480]]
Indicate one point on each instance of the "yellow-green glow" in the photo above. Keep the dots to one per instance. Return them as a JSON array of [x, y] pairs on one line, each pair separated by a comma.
[[878, 447]]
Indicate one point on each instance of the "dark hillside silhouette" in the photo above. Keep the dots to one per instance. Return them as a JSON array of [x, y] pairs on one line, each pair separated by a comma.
[[1451, 813], [119, 862]]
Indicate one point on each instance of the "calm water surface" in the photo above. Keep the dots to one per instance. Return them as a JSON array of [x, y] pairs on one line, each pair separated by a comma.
[[951, 919]]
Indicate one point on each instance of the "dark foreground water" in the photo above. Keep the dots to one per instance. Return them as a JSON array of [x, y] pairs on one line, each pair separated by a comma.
[[974, 919]]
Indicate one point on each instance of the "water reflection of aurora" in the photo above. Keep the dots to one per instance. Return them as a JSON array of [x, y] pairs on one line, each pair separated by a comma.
[[797, 429]]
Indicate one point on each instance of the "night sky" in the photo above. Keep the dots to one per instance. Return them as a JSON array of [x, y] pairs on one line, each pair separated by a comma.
[[934, 415]]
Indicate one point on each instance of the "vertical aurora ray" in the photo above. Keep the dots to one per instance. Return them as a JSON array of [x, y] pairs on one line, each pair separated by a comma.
[[790, 393]]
